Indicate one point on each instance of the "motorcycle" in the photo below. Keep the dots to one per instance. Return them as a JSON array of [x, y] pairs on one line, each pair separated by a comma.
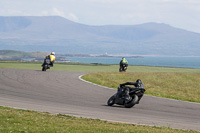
[[127, 96], [123, 68], [46, 65]]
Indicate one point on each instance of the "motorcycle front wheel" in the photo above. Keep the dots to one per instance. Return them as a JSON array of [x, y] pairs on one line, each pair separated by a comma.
[[111, 101], [132, 102], [44, 68]]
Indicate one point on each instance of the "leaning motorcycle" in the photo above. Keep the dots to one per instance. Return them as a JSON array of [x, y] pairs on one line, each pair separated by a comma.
[[135, 94], [46, 65]]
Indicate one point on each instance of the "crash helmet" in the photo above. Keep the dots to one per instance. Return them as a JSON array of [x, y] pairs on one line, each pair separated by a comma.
[[123, 58], [52, 53], [138, 81]]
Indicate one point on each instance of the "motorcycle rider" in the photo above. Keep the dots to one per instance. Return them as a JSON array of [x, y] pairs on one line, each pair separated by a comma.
[[123, 62], [125, 90], [51, 57]]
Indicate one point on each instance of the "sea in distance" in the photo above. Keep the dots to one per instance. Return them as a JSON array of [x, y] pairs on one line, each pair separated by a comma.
[[182, 62]]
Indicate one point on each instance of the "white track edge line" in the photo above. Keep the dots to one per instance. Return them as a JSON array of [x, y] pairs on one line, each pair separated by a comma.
[[80, 77]]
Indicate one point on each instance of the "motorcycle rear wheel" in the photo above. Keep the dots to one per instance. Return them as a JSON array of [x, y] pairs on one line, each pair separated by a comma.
[[132, 102]]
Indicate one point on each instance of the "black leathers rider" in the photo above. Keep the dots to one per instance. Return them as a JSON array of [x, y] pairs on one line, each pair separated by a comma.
[[123, 89]]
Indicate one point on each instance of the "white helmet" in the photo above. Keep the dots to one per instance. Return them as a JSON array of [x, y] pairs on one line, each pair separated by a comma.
[[52, 53]]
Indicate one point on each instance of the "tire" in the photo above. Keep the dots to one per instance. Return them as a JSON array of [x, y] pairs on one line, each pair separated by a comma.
[[43, 69], [125, 69], [132, 102], [111, 101]]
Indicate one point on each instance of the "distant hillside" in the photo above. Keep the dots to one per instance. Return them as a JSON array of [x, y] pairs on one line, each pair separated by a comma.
[[37, 56], [53, 33], [12, 54]]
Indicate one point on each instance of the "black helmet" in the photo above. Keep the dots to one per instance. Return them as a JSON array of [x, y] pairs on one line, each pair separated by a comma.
[[138, 81]]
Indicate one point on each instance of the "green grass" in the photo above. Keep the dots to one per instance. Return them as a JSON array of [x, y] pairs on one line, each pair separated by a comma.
[[180, 86], [21, 121], [80, 67]]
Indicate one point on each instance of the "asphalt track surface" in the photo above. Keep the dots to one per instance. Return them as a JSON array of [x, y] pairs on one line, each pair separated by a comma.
[[65, 93]]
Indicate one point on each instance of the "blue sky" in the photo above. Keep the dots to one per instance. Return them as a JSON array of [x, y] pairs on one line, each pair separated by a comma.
[[184, 14]]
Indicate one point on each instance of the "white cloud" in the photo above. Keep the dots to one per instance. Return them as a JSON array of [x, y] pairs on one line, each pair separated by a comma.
[[53, 12], [167, 0], [56, 12], [72, 17], [106, 1]]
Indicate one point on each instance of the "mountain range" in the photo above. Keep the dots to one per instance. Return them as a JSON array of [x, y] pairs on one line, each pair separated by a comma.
[[54, 33]]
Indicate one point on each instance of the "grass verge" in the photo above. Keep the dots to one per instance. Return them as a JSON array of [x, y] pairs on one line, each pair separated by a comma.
[[180, 86], [81, 67], [16, 120]]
